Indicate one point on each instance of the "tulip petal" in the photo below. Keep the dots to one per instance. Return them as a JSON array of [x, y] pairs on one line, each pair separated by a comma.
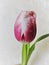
[[25, 26]]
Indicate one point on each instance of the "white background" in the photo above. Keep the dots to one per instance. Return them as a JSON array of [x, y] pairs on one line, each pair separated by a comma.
[[10, 48]]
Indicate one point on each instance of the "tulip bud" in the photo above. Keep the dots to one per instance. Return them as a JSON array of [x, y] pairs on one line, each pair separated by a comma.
[[25, 26]]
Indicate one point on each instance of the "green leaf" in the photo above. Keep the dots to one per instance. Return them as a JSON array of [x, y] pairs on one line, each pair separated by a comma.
[[30, 51], [33, 46], [41, 38]]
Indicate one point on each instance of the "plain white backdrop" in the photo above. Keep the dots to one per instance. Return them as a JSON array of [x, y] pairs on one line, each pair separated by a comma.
[[10, 48]]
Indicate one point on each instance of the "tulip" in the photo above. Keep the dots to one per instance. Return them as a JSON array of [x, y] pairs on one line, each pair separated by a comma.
[[25, 31], [25, 26]]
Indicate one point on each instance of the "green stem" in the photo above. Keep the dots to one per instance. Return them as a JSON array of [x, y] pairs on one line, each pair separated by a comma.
[[25, 50], [28, 47]]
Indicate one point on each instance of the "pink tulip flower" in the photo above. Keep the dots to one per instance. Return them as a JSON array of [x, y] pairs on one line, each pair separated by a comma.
[[25, 26]]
